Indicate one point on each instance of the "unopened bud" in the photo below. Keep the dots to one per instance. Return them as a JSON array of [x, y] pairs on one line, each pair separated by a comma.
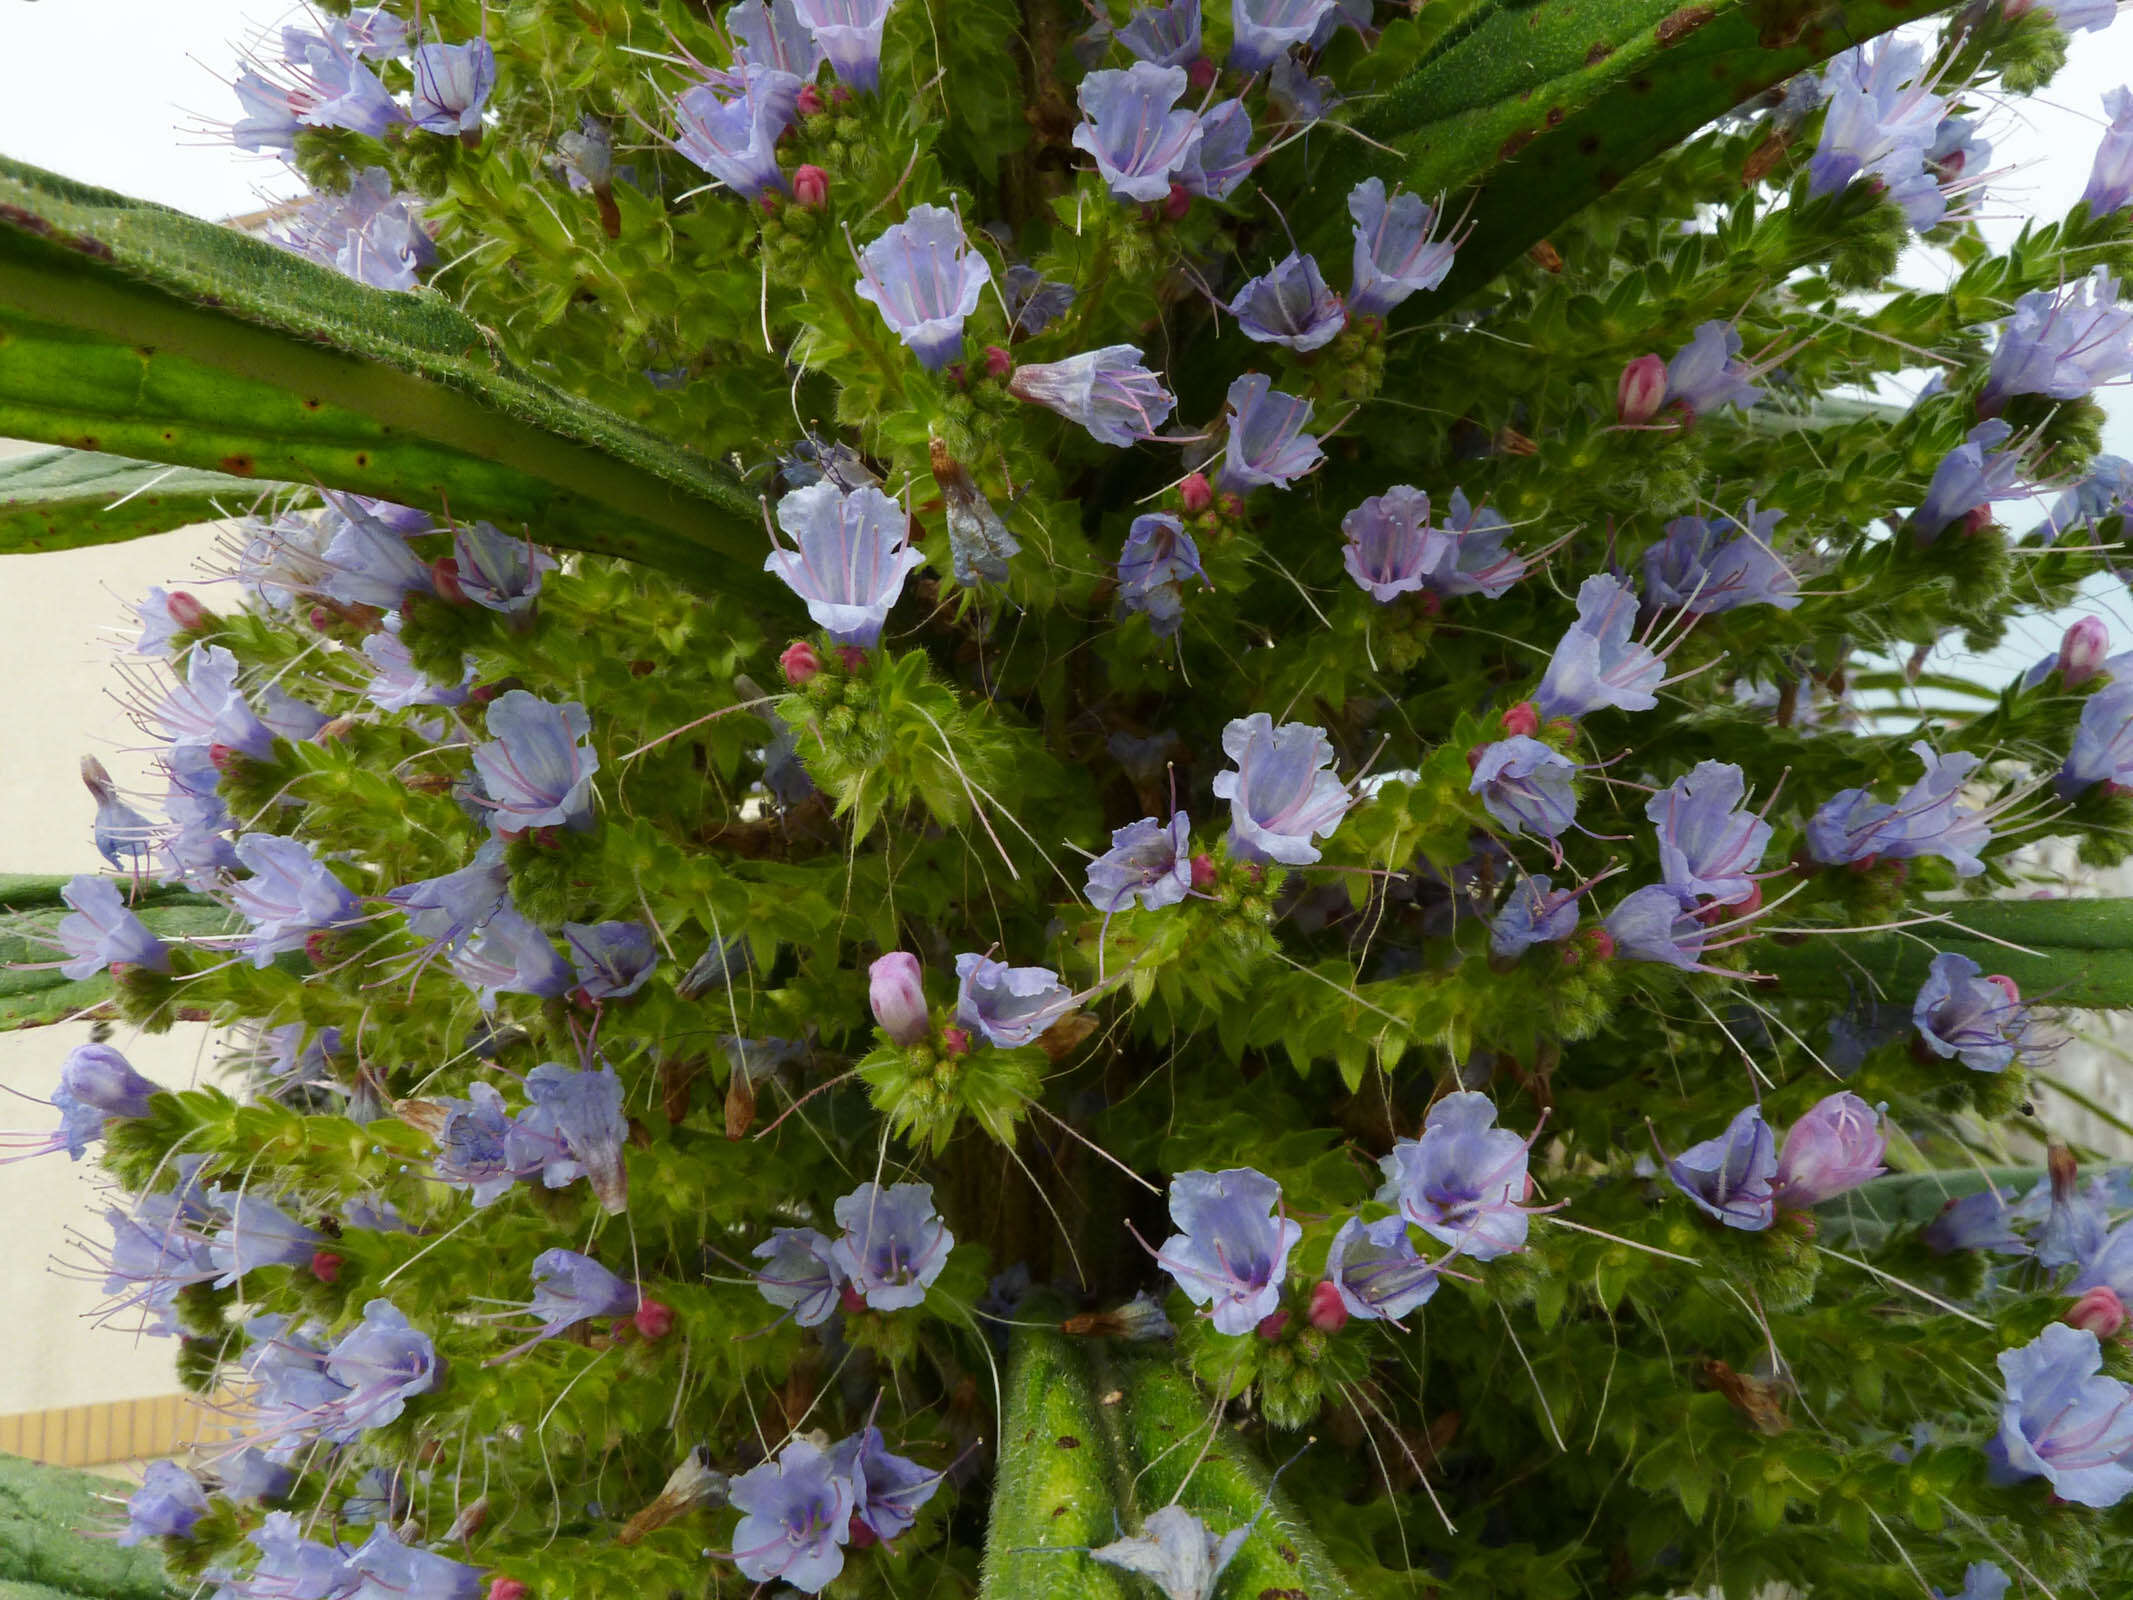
[[1641, 390], [998, 363], [1197, 493], [654, 1318], [799, 663], [860, 1534], [1177, 203], [1201, 75], [851, 1300], [2100, 1311], [809, 103], [2059, 1162], [1272, 1325], [2006, 986], [508, 1589], [1328, 1313], [321, 619], [2081, 652], [1976, 520], [325, 1266], [810, 187], [1473, 756], [1203, 872], [896, 990], [1522, 720], [955, 1042], [444, 578], [852, 656], [1603, 945], [189, 614]]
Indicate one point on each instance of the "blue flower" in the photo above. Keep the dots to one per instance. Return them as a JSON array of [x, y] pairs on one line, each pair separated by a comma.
[[1708, 846], [731, 127], [800, 1272], [154, 1253], [2111, 175], [1837, 1145], [1702, 571], [2102, 493], [925, 279], [1397, 251], [376, 237], [1297, 97], [287, 717], [1966, 1017], [253, 1475], [1176, 1552], [1653, 925], [1704, 374], [295, 1567], [452, 84], [167, 1504], [256, 1233], [1597, 664], [289, 896], [1927, 819], [1479, 564], [367, 561], [103, 932], [1264, 30], [888, 1490], [1982, 1580], [475, 1148], [1010, 1006], [773, 36], [2061, 344], [122, 835], [1977, 1221], [849, 559], [496, 571], [1462, 1181], [384, 1362], [1526, 786], [208, 708], [1882, 119], [1267, 443], [1281, 797], [893, 1245], [1730, 1177], [796, 1515], [97, 1076], [370, 31], [613, 959], [397, 684], [1376, 1271], [448, 909], [1224, 156], [569, 1288], [402, 1572], [849, 32], [1290, 305], [1134, 132], [1533, 913], [537, 768], [1392, 546], [581, 1111], [328, 88], [1166, 36], [1157, 558], [2103, 742], [1034, 302], [508, 955], [2063, 1420], [1107, 391], [1232, 1250], [1968, 480], [1148, 861]]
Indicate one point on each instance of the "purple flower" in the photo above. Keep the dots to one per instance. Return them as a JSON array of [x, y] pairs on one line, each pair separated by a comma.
[[1281, 797], [1982, 1580], [538, 767], [1882, 119], [1297, 97], [256, 1233], [1107, 391], [1965, 1017], [1977, 1221], [370, 31], [1010, 1006], [1397, 251], [102, 932], [1265, 29], [731, 127], [1034, 302], [2061, 344], [167, 1504], [291, 1567], [289, 896], [1267, 443], [287, 717], [925, 279], [1376, 1271], [1652, 925], [2111, 177], [475, 1147], [2103, 493], [368, 562], [2074, 16], [154, 1253], [896, 992], [1165, 36], [1290, 305], [397, 684], [1700, 570], [446, 910], [613, 959], [1708, 845], [1479, 564], [1157, 558], [120, 833], [887, 1489], [800, 1272], [850, 559], [582, 1113], [2063, 1420], [569, 1289], [1534, 913], [97, 1076], [395, 1571], [796, 1515], [1132, 129], [1462, 1181], [269, 120], [452, 84], [893, 1245], [1597, 664], [773, 36], [1232, 1252], [1176, 1552], [1927, 819], [328, 88], [1526, 786], [384, 1362], [849, 33], [252, 1475], [497, 571], [2103, 742], [371, 235], [507, 954], [1148, 861], [208, 708], [1392, 547], [1836, 1146], [1704, 376], [1224, 155], [1730, 1177], [2108, 1264]]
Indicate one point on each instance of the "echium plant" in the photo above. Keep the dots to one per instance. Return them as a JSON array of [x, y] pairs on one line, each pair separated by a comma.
[[972, 768]]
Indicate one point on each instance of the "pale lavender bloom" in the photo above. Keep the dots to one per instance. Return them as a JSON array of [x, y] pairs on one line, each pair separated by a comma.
[[1376, 1271], [849, 32], [1708, 845], [2103, 493], [893, 1245], [1535, 913], [1597, 664], [2111, 177], [289, 896], [1836, 1146], [2061, 345], [452, 84], [2107, 1264], [613, 959], [370, 31], [1977, 1221], [252, 1475], [167, 1504], [103, 932], [1392, 547], [1926, 819], [1265, 30], [1132, 128], [1267, 443], [1462, 1181], [158, 626], [569, 1288], [208, 708], [507, 954], [394, 1571], [153, 1254], [1882, 119], [328, 88], [368, 562], [1957, 149], [2063, 1420], [256, 1233], [446, 910], [1479, 564], [1107, 391], [925, 279], [1157, 558], [291, 1567], [282, 561], [2103, 742], [1224, 156], [1148, 861], [97, 1076], [1983, 1580], [1010, 1006], [888, 1490], [1290, 305], [384, 1362], [1730, 1177], [496, 571], [269, 115], [896, 994], [730, 128], [1176, 1552], [369, 234], [1232, 1250], [1964, 1016], [800, 1273], [537, 770], [287, 717], [1704, 374], [474, 1150], [849, 559], [796, 1516], [1526, 786], [397, 684], [582, 1112], [1397, 251], [1166, 36], [1297, 97], [2074, 16], [1704, 566], [1281, 796], [773, 36]]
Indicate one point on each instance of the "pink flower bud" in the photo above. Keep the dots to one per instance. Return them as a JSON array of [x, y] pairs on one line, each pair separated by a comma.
[[851, 1300], [220, 756], [1976, 520], [1201, 75], [852, 656], [2100, 1311], [1177, 203], [1522, 720], [654, 1318], [998, 363], [1641, 391], [1473, 756], [1197, 493], [321, 619], [955, 1042], [1328, 1315], [319, 945], [810, 102], [1603, 945], [508, 1589], [799, 662], [1272, 1325], [444, 578], [2081, 652], [188, 613], [2006, 986], [896, 990], [1203, 872], [810, 187], [325, 1266], [860, 1534]]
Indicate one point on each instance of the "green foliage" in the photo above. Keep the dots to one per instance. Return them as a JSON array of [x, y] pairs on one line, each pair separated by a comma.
[[50, 1522], [63, 499]]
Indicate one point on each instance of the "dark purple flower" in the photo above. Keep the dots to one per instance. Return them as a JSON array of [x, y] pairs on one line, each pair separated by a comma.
[[2111, 176], [1176, 1552], [1597, 664], [849, 32], [1969, 1018], [446, 910], [2103, 742], [2061, 344], [1462, 1181], [289, 896], [1010, 1006], [1969, 479], [1392, 547], [208, 708], [1709, 847], [2063, 1420], [1652, 925], [731, 127], [1882, 118], [167, 1504], [452, 84], [1224, 155], [1836, 1146], [497, 571], [1132, 129], [396, 683], [1479, 564], [1157, 558], [796, 1515], [849, 559], [582, 1112], [1534, 913], [1165, 36], [887, 1489], [1290, 305], [613, 959], [773, 36], [507, 954], [1298, 97], [1376, 1271], [1704, 374], [256, 1233], [1281, 796], [1264, 30], [1708, 565], [800, 1272], [383, 1362], [538, 767], [1034, 302], [1927, 819], [1730, 1177], [1232, 1250], [1978, 1221], [1107, 391], [102, 932], [1148, 861], [251, 1475], [925, 279], [893, 1245], [1397, 251], [568, 1289], [1267, 443], [1526, 786]]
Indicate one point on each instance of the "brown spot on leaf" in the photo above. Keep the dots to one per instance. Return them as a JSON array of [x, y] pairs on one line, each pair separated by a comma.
[[312, 403], [1511, 146], [1555, 116], [238, 466], [1068, 1442], [1589, 145], [1678, 25], [1598, 53], [1640, 84], [88, 441], [1607, 178], [1059, 1511], [362, 459]]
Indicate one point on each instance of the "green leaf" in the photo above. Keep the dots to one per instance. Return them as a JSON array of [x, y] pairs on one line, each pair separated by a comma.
[[128, 327], [2064, 952], [33, 992], [64, 499], [49, 1521], [1058, 1481]]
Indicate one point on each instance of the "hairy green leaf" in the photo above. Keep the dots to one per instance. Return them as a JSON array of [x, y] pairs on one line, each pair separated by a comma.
[[64, 499], [1058, 1484], [2059, 952]]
